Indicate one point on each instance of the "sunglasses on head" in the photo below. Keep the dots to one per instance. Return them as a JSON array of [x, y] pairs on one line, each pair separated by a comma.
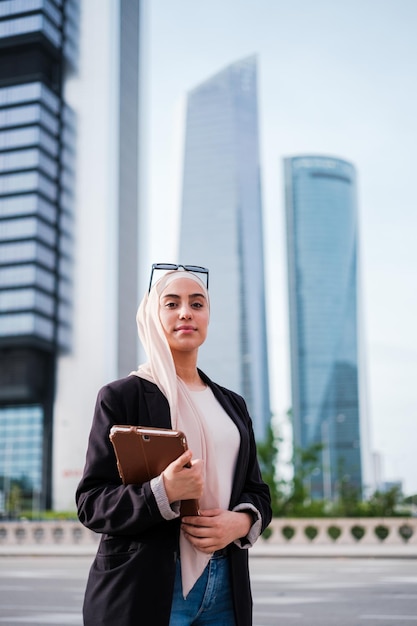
[[195, 269]]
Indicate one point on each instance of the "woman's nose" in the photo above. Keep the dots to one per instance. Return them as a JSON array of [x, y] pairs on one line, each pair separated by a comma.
[[185, 312]]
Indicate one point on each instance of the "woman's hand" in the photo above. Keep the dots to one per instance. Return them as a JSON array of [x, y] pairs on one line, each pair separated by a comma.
[[214, 529], [181, 482]]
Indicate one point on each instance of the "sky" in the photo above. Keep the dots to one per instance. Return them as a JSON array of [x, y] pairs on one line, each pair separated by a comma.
[[335, 78]]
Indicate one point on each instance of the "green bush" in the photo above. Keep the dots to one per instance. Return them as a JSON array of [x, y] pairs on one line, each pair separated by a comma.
[[267, 533], [381, 532], [49, 515], [334, 532], [406, 532], [357, 532], [288, 532], [311, 532]]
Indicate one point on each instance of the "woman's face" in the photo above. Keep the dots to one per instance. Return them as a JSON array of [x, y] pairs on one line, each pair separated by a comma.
[[184, 315]]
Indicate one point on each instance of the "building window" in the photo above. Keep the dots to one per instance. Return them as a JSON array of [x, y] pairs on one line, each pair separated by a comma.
[[26, 227], [27, 275], [25, 251], [31, 92], [12, 324], [24, 299], [21, 445], [26, 160], [27, 205], [28, 114], [30, 24], [28, 136]]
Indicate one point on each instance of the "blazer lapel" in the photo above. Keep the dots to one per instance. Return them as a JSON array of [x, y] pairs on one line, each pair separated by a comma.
[[158, 409]]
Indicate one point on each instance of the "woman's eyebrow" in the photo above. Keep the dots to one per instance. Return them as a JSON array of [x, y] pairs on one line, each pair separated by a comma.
[[191, 295]]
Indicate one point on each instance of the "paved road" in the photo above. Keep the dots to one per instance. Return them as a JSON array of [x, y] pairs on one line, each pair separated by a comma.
[[44, 591], [334, 592]]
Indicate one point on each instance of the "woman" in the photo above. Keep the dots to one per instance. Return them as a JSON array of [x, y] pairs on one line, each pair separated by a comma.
[[153, 568]]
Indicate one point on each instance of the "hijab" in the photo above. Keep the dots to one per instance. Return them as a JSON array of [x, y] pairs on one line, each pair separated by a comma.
[[185, 416]]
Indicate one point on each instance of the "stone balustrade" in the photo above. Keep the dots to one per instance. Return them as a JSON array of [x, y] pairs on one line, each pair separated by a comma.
[[46, 533], [343, 531], [318, 531]]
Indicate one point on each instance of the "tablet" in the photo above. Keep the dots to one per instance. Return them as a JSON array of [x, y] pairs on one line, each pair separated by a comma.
[[143, 452]]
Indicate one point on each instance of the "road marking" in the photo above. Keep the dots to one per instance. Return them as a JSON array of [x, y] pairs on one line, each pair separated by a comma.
[[33, 609], [261, 614], [396, 618], [408, 580], [293, 600], [63, 619], [44, 575], [279, 578]]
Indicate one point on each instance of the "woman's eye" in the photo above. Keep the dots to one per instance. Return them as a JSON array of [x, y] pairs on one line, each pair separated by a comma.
[[197, 305]]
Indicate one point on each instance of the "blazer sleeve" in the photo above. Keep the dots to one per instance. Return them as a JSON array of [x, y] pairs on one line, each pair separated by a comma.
[[104, 504]]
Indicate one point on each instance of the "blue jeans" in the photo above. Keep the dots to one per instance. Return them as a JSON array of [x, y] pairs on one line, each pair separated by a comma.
[[209, 602]]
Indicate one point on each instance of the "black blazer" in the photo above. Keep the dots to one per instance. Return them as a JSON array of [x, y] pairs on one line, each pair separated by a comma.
[[132, 576]]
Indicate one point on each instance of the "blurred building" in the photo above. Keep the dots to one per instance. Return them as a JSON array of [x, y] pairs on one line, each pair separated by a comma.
[[390, 485], [69, 202], [221, 228], [38, 48], [377, 462], [322, 245]]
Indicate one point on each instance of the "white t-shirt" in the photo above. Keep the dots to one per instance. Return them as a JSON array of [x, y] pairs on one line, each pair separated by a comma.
[[225, 437]]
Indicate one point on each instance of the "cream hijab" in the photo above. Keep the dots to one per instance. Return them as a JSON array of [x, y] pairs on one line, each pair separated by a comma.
[[160, 369]]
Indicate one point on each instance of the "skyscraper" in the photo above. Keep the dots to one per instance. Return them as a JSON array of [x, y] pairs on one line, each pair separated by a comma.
[[106, 95], [221, 228], [38, 48], [322, 245], [70, 92]]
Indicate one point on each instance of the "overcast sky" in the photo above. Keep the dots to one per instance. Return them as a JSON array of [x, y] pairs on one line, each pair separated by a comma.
[[336, 78]]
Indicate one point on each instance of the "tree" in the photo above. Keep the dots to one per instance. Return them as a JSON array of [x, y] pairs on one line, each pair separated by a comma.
[[268, 458], [290, 497], [299, 501], [14, 500], [384, 503]]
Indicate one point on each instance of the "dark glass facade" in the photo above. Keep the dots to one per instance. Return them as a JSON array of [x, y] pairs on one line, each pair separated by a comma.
[[221, 228], [322, 241], [38, 48]]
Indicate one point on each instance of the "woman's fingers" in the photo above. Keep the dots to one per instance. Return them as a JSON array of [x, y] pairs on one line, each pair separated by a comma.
[[184, 478], [183, 461]]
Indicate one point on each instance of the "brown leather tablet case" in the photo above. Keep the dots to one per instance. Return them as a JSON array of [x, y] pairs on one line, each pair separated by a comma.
[[143, 452]]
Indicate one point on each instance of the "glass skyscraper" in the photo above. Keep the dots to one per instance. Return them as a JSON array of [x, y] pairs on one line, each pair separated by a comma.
[[38, 48], [221, 228], [69, 231], [322, 245]]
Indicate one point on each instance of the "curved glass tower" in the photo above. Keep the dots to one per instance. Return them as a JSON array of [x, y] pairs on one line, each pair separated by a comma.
[[221, 228], [321, 210]]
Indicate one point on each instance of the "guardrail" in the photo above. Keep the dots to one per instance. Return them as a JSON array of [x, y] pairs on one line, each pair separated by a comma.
[[318, 531]]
